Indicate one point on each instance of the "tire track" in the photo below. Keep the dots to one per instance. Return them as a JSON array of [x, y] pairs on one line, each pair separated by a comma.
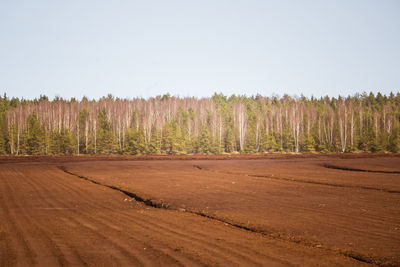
[[222, 252], [10, 238], [16, 232], [50, 205], [8, 255], [48, 242], [39, 190]]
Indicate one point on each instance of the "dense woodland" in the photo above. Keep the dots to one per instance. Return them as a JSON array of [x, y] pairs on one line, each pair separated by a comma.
[[220, 124]]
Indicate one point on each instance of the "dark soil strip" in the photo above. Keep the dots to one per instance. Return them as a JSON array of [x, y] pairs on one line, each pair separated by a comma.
[[151, 203], [330, 166], [365, 259], [148, 202], [270, 156], [304, 181], [324, 183]]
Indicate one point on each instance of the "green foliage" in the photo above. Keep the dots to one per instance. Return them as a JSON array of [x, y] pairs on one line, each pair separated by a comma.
[[206, 126], [250, 145], [34, 137], [155, 142], [170, 143], [83, 115], [62, 143], [229, 139], [287, 140], [309, 144], [12, 139], [394, 141], [106, 141], [204, 141], [370, 142], [4, 106], [322, 147], [135, 142]]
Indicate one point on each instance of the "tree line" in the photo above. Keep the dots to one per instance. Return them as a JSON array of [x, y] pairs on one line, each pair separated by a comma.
[[219, 124]]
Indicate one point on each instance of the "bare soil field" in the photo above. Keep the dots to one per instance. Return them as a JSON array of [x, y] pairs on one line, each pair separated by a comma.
[[200, 210]]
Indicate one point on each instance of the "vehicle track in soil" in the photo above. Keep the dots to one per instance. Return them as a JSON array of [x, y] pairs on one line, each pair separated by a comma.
[[50, 218]]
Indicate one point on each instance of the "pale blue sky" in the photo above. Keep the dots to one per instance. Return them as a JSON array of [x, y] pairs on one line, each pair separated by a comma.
[[195, 48]]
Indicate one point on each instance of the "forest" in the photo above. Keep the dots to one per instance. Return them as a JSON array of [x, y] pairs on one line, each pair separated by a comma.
[[215, 125]]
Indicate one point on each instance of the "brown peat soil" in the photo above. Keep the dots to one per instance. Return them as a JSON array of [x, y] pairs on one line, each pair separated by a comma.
[[200, 210]]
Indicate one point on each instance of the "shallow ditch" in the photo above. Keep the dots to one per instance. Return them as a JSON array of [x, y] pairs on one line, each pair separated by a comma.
[[330, 166], [272, 177]]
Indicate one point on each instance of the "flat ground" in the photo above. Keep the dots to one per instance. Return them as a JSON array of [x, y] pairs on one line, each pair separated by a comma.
[[197, 210]]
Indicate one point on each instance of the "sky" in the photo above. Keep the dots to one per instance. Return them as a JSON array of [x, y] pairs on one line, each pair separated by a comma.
[[133, 48]]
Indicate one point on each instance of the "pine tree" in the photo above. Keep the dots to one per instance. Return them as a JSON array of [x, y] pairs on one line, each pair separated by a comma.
[[394, 142], [179, 139], [155, 143], [35, 139], [135, 142], [274, 147], [250, 142], [322, 147], [287, 140], [229, 140], [63, 143], [169, 143], [12, 137], [204, 141], [309, 144], [219, 124], [4, 105], [83, 114], [106, 139]]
